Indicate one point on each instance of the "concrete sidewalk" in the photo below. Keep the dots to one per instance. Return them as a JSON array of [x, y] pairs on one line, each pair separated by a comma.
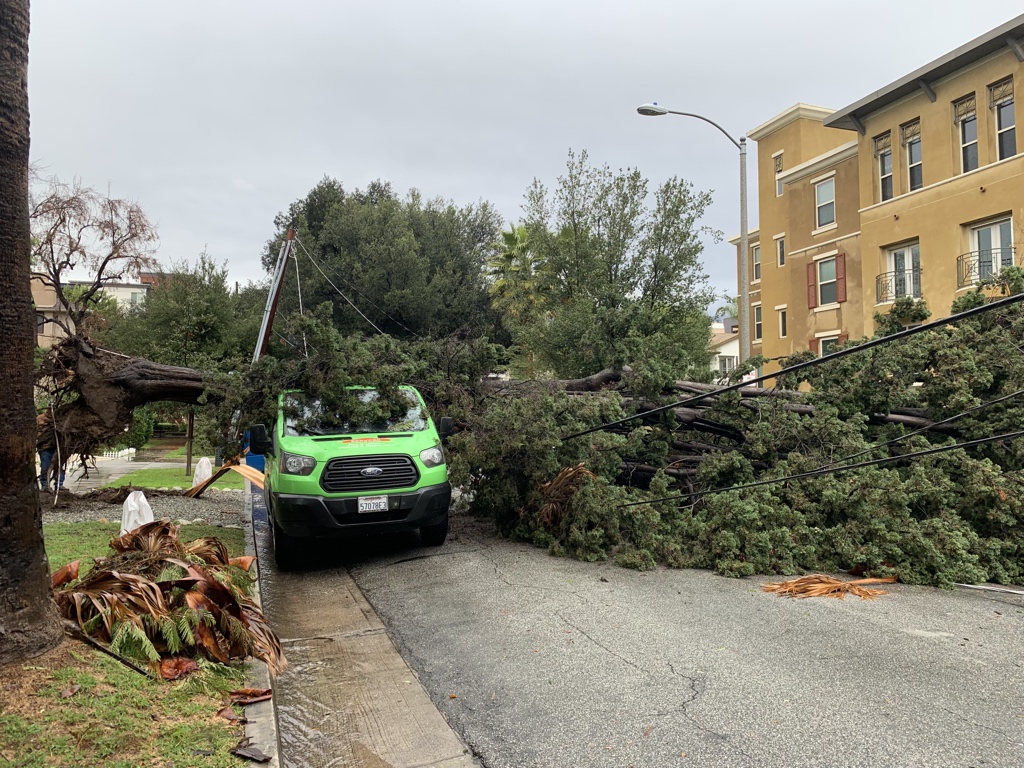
[[107, 470], [347, 698]]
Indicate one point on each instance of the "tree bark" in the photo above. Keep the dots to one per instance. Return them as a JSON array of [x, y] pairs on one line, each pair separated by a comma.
[[29, 624]]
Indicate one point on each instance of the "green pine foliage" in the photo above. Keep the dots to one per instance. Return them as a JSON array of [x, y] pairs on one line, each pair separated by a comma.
[[943, 519]]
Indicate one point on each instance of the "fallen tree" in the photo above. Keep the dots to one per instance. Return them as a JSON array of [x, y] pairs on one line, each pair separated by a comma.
[[938, 519], [95, 391]]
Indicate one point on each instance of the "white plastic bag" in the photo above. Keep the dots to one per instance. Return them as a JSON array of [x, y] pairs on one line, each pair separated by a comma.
[[135, 512], [204, 470]]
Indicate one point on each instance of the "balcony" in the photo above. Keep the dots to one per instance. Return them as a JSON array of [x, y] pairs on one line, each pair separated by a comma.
[[973, 267], [890, 286]]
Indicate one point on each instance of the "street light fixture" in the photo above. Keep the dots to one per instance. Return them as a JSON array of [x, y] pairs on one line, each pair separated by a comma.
[[654, 110]]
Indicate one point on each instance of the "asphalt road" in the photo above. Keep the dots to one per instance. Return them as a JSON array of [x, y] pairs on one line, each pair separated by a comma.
[[539, 661]]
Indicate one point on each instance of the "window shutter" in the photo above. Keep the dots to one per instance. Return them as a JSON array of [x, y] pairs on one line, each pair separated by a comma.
[[814, 345], [840, 277], [812, 285], [843, 338]]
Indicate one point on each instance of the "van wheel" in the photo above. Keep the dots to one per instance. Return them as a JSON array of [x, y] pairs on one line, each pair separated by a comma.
[[286, 549], [434, 535]]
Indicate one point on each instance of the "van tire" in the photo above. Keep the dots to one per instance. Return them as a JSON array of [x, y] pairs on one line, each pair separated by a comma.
[[434, 535], [286, 550]]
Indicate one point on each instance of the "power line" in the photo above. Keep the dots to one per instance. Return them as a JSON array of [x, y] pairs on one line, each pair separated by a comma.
[[346, 298], [834, 470], [337, 274], [809, 363], [930, 426]]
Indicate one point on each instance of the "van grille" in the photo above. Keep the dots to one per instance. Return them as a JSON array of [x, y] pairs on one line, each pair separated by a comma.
[[343, 475]]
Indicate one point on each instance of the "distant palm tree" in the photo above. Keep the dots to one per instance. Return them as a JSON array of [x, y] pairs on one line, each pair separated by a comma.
[[731, 307], [28, 616], [516, 273]]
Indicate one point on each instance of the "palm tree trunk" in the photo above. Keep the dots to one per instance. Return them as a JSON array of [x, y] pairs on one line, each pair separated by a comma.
[[28, 616]]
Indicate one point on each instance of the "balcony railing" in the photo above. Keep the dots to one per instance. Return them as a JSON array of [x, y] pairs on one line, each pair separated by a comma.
[[973, 267], [890, 286]]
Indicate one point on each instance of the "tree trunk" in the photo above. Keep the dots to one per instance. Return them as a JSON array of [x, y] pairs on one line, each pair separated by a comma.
[[28, 617]]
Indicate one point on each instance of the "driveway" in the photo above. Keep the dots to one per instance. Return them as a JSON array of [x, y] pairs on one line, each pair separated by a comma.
[[540, 661]]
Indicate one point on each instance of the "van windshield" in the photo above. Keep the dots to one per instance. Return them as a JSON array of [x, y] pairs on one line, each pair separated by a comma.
[[305, 417]]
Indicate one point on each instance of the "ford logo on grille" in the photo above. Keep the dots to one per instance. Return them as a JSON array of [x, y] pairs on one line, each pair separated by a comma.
[[371, 472]]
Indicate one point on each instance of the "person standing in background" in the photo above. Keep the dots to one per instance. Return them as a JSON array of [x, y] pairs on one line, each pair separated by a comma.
[[46, 445]]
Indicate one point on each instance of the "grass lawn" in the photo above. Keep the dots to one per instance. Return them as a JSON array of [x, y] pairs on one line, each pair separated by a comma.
[[173, 478], [84, 541], [75, 706]]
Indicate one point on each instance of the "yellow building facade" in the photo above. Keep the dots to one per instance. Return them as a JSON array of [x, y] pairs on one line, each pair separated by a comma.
[[916, 190]]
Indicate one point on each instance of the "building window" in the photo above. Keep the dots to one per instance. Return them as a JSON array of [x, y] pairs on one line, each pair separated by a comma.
[[780, 249], [755, 263], [883, 153], [1001, 97], [137, 298], [904, 277], [827, 288], [726, 364], [992, 244], [778, 169], [783, 329], [910, 135], [966, 117], [758, 327], [40, 324], [828, 345], [825, 202], [826, 281]]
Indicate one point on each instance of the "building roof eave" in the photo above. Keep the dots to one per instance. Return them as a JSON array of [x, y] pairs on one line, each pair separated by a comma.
[[1005, 36], [796, 112]]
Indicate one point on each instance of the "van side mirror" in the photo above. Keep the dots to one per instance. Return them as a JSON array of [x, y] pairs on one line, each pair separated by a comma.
[[446, 428], [259, 442]]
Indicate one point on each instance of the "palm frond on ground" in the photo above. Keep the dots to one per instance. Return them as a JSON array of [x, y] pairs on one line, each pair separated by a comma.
[[158, 596]]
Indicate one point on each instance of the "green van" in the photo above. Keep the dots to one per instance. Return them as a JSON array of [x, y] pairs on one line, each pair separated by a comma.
[[327, 479]]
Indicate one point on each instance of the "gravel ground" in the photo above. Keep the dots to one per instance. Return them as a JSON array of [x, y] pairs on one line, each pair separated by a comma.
[[216, 507]]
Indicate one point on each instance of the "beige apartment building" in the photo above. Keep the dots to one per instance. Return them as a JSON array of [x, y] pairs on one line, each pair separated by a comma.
[[915, 190], [49, 310]]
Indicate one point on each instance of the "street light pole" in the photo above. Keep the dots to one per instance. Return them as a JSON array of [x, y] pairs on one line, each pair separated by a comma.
[[653, 110]]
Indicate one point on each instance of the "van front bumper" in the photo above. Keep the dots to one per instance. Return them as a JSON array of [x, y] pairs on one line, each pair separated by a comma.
[[306, 516]]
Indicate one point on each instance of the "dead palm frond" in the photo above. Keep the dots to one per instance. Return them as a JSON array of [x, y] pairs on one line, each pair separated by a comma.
[[819, 585], [157, 536], [209, 549], [160, 596], [557, 494]]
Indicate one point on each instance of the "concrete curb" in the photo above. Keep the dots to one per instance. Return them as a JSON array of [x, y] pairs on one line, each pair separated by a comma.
[[261, 725]]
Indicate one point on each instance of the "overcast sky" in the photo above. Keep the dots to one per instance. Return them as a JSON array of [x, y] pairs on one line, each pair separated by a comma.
[[215, 115]]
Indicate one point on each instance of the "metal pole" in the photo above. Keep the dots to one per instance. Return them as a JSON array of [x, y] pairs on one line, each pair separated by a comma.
[[744, 258], [273, 296], [744, 271], [188, 442]]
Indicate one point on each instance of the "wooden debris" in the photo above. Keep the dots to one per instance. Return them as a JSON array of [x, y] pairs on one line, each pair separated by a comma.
[[819, 585]]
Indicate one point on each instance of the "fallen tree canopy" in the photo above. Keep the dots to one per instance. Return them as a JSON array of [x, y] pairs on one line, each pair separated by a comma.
[[940, 519]]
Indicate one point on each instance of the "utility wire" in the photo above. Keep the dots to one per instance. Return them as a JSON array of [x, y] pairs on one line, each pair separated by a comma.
[[346, 298], [298, 287], [334, 271], [834, 470], [809, 363], [928, 428]]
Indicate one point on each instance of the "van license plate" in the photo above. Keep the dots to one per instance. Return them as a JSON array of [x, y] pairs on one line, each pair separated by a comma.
[[373, 503]]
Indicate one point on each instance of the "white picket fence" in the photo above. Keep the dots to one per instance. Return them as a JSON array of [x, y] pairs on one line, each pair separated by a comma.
[[127, 453]]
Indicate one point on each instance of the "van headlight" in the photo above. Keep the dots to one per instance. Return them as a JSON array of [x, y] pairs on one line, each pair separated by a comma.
[[432, 457], [294, 464]]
